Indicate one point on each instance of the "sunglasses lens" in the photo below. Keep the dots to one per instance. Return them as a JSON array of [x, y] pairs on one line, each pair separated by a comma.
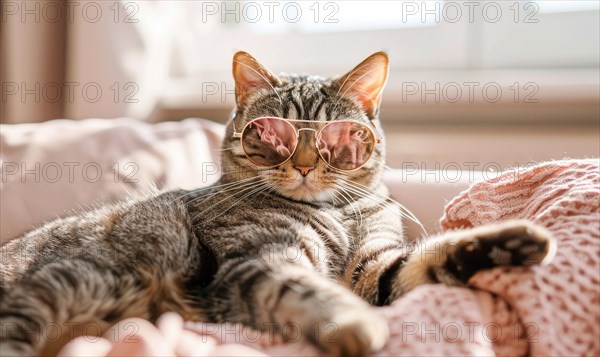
[[268, 141], [346, 145]]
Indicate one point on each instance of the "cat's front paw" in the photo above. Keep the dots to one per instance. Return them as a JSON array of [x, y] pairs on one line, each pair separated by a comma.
[[354, 333], [516, 243]]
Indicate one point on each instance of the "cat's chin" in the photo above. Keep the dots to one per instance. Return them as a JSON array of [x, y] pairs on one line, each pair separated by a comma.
[[307, 193]]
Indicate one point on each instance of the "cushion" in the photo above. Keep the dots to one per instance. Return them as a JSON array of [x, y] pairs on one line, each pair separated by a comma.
[[60, 167]]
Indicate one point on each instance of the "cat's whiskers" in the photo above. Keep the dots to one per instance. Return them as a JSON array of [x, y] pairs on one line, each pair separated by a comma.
[[210, 187], [246, 188], [230, 187], [361, 194], [263, 186], [351, 202], [332, 198], [381, 164], [269, 191], [384, 202], [378, 202], [369, 192]]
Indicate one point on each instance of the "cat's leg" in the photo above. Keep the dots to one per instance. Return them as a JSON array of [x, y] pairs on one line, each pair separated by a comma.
[[62, 300], [381, 275], [297, 302], [378, 257], [456, 256]]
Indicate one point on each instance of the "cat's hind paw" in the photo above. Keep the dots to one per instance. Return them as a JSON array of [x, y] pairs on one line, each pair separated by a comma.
[[524, 242], [518, 243], [514, 243]]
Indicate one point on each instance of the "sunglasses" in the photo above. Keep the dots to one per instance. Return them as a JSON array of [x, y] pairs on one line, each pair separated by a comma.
[[342, 144]]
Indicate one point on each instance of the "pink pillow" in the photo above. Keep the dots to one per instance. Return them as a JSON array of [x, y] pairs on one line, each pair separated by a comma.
[[53, 168]]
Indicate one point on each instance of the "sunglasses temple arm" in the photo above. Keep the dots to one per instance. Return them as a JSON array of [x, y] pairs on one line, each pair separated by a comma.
[[379, 138], [235, 132]]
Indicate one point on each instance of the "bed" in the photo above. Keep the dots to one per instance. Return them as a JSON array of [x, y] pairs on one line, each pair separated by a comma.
[[61, 167]]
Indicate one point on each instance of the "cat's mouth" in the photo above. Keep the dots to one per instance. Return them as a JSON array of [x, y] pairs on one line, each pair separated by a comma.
[[303, 187], [307, 183], [303, 182]]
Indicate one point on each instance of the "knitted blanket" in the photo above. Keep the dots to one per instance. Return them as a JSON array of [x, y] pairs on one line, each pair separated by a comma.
[[540, 311], [552, 310]]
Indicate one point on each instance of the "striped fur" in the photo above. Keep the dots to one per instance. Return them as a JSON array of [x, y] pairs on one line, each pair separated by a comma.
[[263, 247]]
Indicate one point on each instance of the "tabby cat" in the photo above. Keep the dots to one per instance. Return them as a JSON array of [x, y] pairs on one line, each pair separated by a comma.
[[299, 229]]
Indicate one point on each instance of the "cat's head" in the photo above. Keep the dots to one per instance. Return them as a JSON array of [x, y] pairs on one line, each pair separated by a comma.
[[305, 176]]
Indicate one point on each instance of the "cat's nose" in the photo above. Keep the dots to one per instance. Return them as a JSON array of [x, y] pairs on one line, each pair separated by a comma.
[[304, 170]]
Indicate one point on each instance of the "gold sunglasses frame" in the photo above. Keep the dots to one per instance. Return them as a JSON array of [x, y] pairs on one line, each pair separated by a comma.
[[378, 138]]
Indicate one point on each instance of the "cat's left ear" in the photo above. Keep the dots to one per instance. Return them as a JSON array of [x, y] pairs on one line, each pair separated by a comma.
[[250, 76], [365, 82]]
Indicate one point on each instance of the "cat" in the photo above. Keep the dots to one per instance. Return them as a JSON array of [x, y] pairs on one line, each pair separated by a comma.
[[303, 242]]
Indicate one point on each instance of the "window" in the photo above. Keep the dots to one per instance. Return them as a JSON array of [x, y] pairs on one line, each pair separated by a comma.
[[332, 16], [547, 49], [567, 6]]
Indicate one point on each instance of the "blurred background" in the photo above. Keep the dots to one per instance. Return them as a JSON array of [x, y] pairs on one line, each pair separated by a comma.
[[482, 85]]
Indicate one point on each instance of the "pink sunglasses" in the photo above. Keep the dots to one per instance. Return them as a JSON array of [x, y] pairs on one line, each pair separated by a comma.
[[342, 144]]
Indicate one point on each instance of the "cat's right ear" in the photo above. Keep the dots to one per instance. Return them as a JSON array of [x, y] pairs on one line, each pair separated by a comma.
[[365, 82], [250, 76]]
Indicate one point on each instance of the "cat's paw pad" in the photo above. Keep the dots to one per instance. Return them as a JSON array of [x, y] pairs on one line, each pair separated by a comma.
[[519, 243], [516, 243], [355, 333]]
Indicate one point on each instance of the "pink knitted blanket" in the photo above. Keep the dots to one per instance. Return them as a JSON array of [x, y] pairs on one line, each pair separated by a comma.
[[541, 311]]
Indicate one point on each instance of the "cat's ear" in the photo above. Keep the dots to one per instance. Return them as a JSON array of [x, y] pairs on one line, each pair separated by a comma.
[[250, 76], [365, 82]]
